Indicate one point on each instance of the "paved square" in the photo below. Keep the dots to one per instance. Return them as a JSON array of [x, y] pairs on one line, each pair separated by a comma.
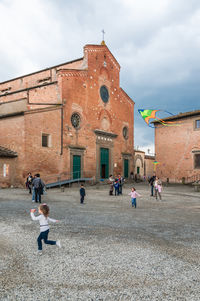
[[110, 251]]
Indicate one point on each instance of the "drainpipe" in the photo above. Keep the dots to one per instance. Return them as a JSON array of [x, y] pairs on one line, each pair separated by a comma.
[[61, 133]]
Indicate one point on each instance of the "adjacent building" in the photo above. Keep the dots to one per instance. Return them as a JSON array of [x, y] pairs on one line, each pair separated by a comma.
[[177, 148], [143, 165]]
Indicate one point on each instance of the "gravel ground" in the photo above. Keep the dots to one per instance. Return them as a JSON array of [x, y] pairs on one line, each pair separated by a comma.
[[110, 251]]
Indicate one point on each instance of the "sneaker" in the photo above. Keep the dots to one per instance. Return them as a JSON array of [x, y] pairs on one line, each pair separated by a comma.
[[39, 252], [33, 201], [58, 243]]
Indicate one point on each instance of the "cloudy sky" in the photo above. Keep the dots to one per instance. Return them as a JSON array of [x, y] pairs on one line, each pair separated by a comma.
[[156, 42]]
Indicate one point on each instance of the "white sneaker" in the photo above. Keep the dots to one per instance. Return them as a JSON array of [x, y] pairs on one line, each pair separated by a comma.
[[40, 253], [58, 243], [33, 201]]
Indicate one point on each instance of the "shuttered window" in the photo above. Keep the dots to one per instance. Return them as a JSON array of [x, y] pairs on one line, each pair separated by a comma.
[[197, 161]]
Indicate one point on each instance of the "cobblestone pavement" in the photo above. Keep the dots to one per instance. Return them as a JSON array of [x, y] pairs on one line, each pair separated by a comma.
[[110, 251]]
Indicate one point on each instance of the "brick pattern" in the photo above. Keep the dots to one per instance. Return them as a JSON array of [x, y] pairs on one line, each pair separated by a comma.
[[175, 148], [52, 97]]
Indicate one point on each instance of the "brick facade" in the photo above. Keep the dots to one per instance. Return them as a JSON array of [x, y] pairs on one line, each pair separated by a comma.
[[40, 106], [144, 167], [178, 148]]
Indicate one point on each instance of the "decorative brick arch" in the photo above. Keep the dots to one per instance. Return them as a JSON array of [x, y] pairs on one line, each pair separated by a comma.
[[104, 113], [138, 157], [104, 73]]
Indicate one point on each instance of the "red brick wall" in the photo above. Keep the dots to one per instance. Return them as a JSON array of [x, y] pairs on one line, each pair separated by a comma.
[[78, 90], [12, 135], [81, 92], [39, 159], [173, 147]]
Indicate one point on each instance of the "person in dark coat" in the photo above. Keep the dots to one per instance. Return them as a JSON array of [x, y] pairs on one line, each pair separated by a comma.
[[151, 182], [29, 182], [82, 194]]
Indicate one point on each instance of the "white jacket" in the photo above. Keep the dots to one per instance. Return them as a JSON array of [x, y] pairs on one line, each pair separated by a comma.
[[44, 226]]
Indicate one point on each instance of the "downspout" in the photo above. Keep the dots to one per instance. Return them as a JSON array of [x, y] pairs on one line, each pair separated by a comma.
[[61, 133]]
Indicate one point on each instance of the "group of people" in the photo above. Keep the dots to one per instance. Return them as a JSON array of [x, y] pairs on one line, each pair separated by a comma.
[[116, 184], [35, 185], [156, 186]]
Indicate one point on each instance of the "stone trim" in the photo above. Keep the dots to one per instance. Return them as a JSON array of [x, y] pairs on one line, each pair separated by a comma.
[[127, 154], [77, 147], [72, 72], [106, 134], [139, 157]]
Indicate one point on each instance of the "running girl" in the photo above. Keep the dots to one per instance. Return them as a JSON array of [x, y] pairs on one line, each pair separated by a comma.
[[43, 219], [133, 195]]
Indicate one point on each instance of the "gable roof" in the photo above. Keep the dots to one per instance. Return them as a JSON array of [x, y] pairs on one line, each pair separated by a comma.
[[180, 116], [6, 152]]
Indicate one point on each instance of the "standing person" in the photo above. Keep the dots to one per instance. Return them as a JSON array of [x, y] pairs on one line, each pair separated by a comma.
[[151, 182], [82, 194], [38, 187], [111, 182], [43, 219], [116, 185], [29, 180], [133, 195], [121, 182], [158, 188], [33, 191]]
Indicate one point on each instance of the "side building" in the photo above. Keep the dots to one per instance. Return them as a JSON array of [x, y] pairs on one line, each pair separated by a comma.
[[178, 148], [144, 167], [72, 120]]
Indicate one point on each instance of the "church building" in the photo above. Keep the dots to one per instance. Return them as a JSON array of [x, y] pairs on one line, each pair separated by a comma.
[[68, 121]]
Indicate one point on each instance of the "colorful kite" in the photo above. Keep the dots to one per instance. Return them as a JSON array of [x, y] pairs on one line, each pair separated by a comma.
[[155, 164], [151, 114]]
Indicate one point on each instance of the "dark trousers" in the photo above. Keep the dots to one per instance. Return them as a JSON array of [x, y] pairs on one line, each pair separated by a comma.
[[120, 189], [117, 191], [82, 199], [152, 187], [44, 235], [37, 195], [29, 187]]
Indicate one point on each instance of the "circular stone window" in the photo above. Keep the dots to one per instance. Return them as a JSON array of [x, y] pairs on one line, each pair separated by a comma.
[[104, 94], [75, 120], [125, 132]]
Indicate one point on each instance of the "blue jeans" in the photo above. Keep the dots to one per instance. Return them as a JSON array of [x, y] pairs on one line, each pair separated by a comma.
[[37, 195], [152, 189], [116, 190], [33, 195], [44, 235], [134, 204]]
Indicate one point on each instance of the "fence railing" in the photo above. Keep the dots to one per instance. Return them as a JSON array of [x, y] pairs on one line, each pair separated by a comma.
[[192, 179], [78, 175]]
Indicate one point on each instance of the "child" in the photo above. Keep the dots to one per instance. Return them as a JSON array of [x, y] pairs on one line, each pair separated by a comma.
[[43, 219], [133, 195], [82, 194], [116, 185], [158, 188]]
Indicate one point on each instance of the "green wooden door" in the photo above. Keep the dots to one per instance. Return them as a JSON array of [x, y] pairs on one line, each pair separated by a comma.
[[76, 167], [126, 168], [104, 163]]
